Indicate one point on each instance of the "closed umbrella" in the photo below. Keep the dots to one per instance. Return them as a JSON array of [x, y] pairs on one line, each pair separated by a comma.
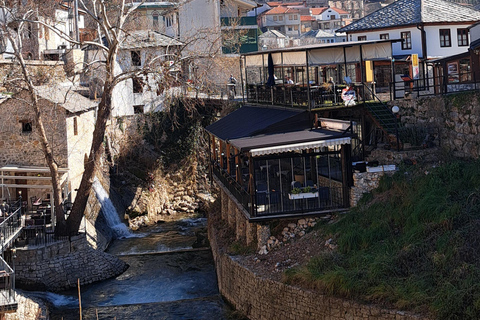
[[271, 77]]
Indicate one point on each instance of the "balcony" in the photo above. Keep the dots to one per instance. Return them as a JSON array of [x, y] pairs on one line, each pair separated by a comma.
[[238, 21]]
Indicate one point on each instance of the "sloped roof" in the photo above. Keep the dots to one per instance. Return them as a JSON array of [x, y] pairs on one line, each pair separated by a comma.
[[340, 11], [307, 18], [249, 121], [317, 34], [317, 11], [281, 3], [411, 12], [324, 34], [148, 38], [281, 10], [272, 34], [291, 138], [66, 97]]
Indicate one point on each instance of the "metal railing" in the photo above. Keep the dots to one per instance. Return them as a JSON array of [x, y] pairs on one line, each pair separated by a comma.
[[282, 203], [233, 186], [7, 285], [11, 224], [439, 85]]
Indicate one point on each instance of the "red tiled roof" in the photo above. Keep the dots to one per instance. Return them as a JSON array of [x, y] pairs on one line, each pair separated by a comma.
[[340, 11], [317, 11], [307, 18], [281, 10], [280, 3]]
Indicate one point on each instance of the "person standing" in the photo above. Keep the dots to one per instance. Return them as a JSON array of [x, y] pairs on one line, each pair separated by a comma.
[[233, 83]]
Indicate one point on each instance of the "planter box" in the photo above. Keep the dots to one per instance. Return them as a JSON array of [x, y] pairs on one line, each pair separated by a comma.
[[304, 195]]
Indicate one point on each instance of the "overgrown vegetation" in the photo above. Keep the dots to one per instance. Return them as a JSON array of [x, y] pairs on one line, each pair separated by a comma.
[[176, 132], [412, 244]]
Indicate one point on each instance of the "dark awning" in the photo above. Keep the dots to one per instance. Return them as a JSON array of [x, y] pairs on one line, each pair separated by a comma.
[[291, 141], [252, 120]]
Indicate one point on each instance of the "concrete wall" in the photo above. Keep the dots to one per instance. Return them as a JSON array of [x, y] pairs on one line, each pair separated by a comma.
[[262, 299]]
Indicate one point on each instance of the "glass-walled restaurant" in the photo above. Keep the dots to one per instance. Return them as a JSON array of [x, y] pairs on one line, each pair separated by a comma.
[[313, 76], [298, 172]]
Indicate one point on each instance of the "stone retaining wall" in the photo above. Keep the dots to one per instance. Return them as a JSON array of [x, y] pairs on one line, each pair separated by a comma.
[[262, 299], [29, 308], [453, 120], [57, 266], [364, 182]]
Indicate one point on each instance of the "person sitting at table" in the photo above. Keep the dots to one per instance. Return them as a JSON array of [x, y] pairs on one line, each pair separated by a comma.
[[288, 80]]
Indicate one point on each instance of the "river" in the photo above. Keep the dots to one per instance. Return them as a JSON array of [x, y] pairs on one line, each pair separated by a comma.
[[169, 277]]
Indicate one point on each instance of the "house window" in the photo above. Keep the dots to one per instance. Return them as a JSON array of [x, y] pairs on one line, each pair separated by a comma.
[[407, 40], [137, 85], [384, 36], [155, 20], [275, 18], [295, 17], [462, 36], [290, 16], [295, 28], [445, 38], [26, 126], [138, 109], [333, 17], [362, 38], [289, 28], [136, 60], [280, 18], [75, 126]]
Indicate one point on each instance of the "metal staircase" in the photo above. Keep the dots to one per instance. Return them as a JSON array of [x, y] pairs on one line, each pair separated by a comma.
[[382, 115]]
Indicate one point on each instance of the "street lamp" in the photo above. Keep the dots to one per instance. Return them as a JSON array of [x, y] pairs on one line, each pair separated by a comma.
[[395, 110]]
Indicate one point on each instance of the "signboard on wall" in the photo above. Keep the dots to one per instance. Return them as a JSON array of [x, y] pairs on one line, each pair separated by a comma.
[[415, 67]]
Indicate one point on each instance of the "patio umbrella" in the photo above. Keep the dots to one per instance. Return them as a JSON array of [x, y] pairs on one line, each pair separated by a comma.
[[271, 77]]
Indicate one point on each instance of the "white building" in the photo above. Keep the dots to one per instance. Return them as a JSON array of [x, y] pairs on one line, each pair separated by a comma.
[[429, 28], [284, 19], [141, 93], [330, 19]]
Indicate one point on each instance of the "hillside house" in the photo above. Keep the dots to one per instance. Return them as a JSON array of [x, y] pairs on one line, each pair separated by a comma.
[[330, 19], [206, 26], [272, 39], [284, 19], [139, 94]]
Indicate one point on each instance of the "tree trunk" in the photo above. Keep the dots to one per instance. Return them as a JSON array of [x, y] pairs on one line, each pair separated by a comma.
[[96, 151]]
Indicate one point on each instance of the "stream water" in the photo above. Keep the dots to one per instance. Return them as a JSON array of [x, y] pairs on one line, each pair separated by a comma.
[[167, 279]]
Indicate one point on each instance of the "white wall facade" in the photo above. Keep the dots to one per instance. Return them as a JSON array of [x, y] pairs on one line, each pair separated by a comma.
[[432, 39], [79, 144]]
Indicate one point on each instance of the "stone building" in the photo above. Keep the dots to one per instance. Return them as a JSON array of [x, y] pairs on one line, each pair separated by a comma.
[[69, 121]]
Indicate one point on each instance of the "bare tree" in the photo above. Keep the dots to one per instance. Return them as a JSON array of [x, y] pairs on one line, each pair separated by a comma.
[[111, 20]]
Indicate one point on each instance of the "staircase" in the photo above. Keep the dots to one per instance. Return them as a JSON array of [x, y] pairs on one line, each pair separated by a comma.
[[383, 117]]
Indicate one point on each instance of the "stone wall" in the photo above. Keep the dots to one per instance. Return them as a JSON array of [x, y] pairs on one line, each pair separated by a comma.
[[23, 147], [43, 71], [29, 308], [57, 266], [260, 298], [453, 119], [364, 182]]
